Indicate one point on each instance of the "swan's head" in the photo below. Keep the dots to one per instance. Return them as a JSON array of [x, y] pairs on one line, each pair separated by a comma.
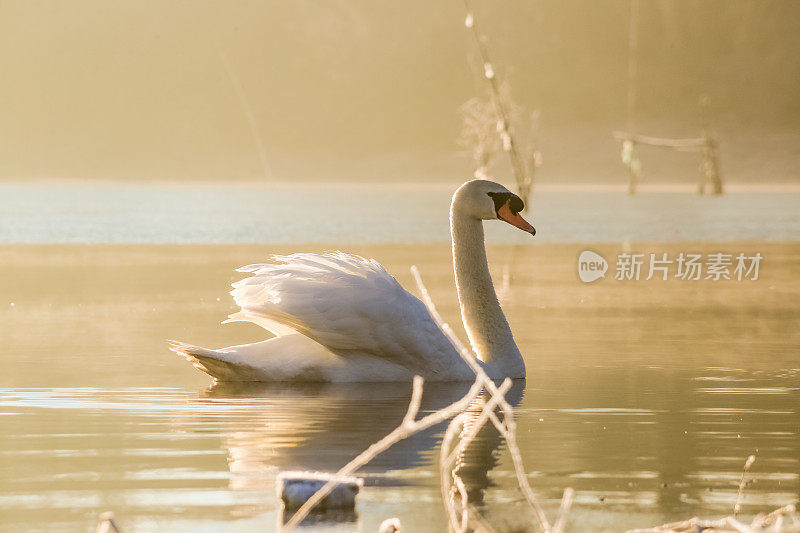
[[487, 200]]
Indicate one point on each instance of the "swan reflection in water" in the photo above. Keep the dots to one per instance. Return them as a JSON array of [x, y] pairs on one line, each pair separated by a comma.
[[270, 428]]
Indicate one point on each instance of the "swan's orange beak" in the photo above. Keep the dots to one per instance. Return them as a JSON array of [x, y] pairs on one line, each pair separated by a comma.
[[506, 214]]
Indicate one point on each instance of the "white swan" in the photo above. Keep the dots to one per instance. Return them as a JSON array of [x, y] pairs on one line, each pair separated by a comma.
[[340, 317]]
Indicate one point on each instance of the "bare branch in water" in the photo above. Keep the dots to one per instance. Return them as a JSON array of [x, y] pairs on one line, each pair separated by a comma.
[[407, 428], [416, 399], [563, 511], [507, 427], [772, 522]]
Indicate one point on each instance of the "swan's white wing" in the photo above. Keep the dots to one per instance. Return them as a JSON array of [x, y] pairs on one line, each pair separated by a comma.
[[349, 304]]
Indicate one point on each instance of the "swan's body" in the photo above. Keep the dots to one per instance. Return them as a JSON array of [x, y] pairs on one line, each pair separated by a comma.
[[340, 317]]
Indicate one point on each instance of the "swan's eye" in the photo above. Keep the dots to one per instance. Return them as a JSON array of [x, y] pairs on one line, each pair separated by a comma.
[[515, 203], [500, 199]]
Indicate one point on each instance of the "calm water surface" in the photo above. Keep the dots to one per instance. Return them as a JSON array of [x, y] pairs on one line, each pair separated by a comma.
[[638, 445], [644, 398], [353, 213]]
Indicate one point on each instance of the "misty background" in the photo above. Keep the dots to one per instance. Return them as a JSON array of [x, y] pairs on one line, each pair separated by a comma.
[[364, 90]]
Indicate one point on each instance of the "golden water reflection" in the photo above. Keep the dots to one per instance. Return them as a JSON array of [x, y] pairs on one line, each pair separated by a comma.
[[645, 398]]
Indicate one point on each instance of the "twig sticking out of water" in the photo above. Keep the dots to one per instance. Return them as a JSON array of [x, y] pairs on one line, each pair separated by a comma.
[[772, 522], [737, 507], [408, 427], [390, 525], [107, 524], [507, 427]]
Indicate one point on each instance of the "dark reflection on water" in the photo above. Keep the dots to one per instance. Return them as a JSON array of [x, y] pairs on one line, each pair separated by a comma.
[[324, 426]]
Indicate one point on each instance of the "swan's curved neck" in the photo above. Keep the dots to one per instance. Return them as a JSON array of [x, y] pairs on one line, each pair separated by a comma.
[[486, 325]]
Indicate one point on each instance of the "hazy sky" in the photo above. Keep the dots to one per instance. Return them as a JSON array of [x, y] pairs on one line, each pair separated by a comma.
[[119, 89]]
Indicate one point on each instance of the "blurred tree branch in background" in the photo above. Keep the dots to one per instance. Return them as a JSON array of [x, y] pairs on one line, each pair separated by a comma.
[[488, 125]]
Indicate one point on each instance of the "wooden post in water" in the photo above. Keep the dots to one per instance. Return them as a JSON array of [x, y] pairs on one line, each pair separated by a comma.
[[711, 181], [709, 166], [710, 177]]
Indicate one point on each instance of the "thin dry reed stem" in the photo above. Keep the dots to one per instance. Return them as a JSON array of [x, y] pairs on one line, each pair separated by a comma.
[[107, 524], [747, 464]]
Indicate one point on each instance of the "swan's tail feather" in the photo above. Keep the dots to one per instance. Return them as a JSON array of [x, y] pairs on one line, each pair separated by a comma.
[[190, 350], [273, 326], [217, 364]]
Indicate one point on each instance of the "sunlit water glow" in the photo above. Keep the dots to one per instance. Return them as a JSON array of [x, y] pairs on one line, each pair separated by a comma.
[[645, 397]]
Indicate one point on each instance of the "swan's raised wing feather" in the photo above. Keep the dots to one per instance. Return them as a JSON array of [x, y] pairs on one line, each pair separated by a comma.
[[349, 305]]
